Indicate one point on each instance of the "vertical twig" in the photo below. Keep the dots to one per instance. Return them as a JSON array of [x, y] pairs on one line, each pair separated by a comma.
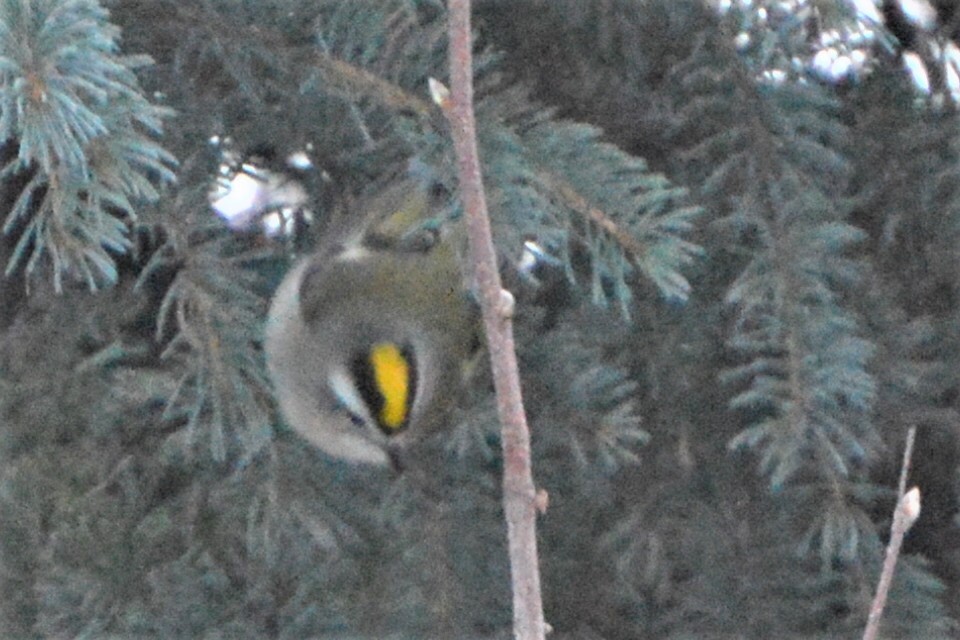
[[497, 305], [905, 514]]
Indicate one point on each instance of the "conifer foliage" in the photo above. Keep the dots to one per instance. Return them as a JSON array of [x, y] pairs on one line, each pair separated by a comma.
[[746, 294], [73, 105]]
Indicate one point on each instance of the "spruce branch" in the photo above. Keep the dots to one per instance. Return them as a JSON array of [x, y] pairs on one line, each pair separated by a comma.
[[628, 217], [519, 495], [83, 126], [591, 214], [905, 514], [214, 310], [355, 80]]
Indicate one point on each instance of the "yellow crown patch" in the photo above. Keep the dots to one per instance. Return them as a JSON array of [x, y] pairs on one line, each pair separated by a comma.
[[392, 377]]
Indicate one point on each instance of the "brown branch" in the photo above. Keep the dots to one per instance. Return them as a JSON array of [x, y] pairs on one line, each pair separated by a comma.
[[579, 205], [355, 81], [519, 497], [906, 513]]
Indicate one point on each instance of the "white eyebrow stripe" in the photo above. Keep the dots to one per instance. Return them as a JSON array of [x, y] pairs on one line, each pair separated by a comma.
[[346, 392]]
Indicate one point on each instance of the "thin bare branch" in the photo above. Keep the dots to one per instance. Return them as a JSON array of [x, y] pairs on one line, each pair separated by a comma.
[[519, 496], [906, 513]]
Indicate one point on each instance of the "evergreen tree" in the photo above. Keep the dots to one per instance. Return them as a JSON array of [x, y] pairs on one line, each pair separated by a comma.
[[748, 296]]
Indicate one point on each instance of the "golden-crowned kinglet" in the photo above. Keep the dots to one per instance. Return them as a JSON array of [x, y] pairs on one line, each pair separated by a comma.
[[367, 339]]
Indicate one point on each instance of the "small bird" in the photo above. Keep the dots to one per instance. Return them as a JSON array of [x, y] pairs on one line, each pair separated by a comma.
[[368, 340]]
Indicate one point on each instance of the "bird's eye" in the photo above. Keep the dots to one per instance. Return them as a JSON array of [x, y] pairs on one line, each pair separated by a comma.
[[355, 419]]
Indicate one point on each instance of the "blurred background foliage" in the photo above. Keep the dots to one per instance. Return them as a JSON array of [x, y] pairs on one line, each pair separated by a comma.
[[745, 217]]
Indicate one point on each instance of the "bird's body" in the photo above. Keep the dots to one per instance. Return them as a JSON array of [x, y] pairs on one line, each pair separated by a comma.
[[366, 340]]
